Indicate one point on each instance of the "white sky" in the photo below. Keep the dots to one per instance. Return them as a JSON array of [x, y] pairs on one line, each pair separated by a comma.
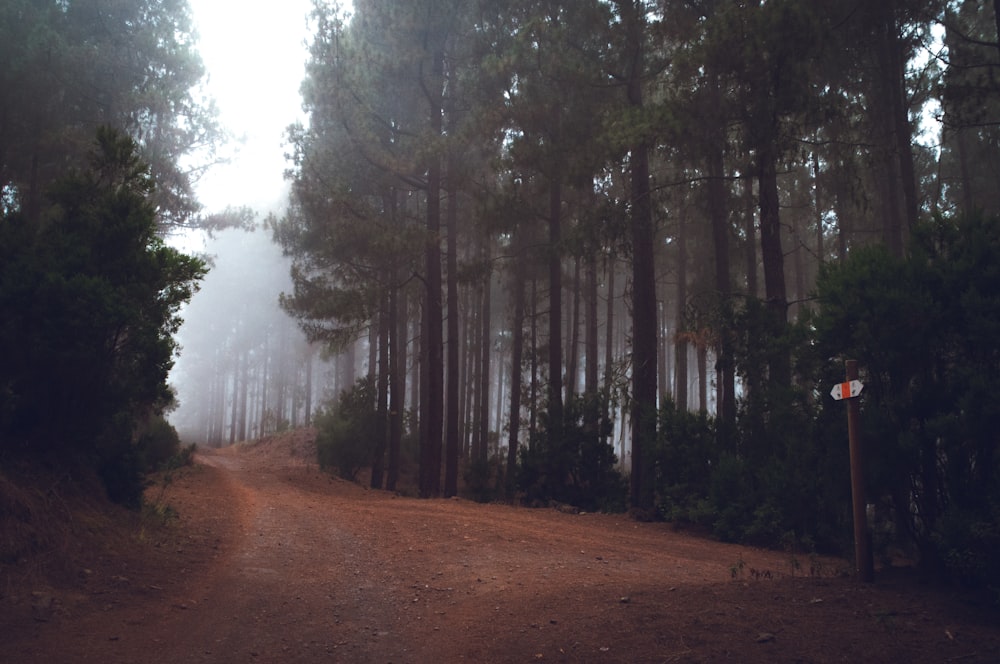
[[254, 53]]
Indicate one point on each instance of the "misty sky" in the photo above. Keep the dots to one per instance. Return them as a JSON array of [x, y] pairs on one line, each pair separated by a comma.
[[254, 52]]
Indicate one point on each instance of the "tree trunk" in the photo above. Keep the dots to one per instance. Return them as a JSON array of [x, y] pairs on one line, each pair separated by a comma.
[[572, 352], [996, 20], [702, 354], [840, 209], [501, 395], [533, 406], [382, 400], [753, 289], [903, 132], [799, 265], [468, 373], [281, 402], [307, 415], [244, 388], [517, 353], [680, 336], [475, 368], [372, 350], [901, 191], [818, 211], [452, 383], [662, 374], [218, 418], [235, 406], [424, 406], [430, 448], [293, 389], [484, 371], [397, 380], [644, 318], [718, 210], [780, 373], [248, 416], [644, 336], [609, 329], [555, 402], [592, 414], [263, 385], [417, 375]]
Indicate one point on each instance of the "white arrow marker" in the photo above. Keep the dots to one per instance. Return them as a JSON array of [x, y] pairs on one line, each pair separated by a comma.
[[847, 390]]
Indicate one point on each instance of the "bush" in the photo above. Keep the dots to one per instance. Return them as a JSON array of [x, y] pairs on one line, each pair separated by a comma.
[[967, 542], [123, 465], [184, 457], [91, 300], [160, 446], [482, 479], [345, 431], [684, 457], [120, 465], [577, 466], [730, 495]]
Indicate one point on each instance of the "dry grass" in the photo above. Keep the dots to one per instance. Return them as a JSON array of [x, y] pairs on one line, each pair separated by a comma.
[[54, 526]]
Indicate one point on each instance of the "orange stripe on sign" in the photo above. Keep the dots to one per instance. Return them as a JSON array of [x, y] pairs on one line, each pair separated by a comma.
[[845, 390]]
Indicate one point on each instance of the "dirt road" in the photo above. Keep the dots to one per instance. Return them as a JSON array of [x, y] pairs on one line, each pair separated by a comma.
[[273, 561]]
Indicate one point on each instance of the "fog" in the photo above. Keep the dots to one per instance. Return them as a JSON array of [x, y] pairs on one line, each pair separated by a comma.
[[254, 53], [245, 368]]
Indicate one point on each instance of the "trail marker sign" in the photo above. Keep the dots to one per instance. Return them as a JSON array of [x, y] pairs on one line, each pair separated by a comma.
[[847, 390]]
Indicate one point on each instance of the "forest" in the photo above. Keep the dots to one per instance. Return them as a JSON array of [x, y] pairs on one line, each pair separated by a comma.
[[606, 253]]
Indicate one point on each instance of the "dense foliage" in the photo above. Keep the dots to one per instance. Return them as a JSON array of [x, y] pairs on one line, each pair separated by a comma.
[[346, 429], [70, 66], [91, 300], [90, 293], [160, 447], [578, 467], [924, 330]]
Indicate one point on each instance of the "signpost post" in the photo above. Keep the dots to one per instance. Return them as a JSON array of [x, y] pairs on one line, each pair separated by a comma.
[[849, 391]]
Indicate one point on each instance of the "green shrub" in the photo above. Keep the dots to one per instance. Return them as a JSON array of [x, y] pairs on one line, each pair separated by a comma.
[[967, 542], [346, 430], [482, 478], [91, 301], [160, 445], [730, 495], [684, 456], [185, 456], [577, 466], [120, 466]]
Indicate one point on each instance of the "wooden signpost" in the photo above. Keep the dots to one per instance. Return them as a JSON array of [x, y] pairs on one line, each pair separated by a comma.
[[849, 391]]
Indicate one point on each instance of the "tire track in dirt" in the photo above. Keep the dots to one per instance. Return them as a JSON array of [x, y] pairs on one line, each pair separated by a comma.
[[292, 590], [287, 586]]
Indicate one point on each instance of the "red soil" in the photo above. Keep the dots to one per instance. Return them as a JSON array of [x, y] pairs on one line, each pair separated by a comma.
[[271, 560]]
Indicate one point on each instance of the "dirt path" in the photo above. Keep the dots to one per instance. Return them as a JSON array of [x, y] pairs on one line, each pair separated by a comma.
[[273, 561]]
